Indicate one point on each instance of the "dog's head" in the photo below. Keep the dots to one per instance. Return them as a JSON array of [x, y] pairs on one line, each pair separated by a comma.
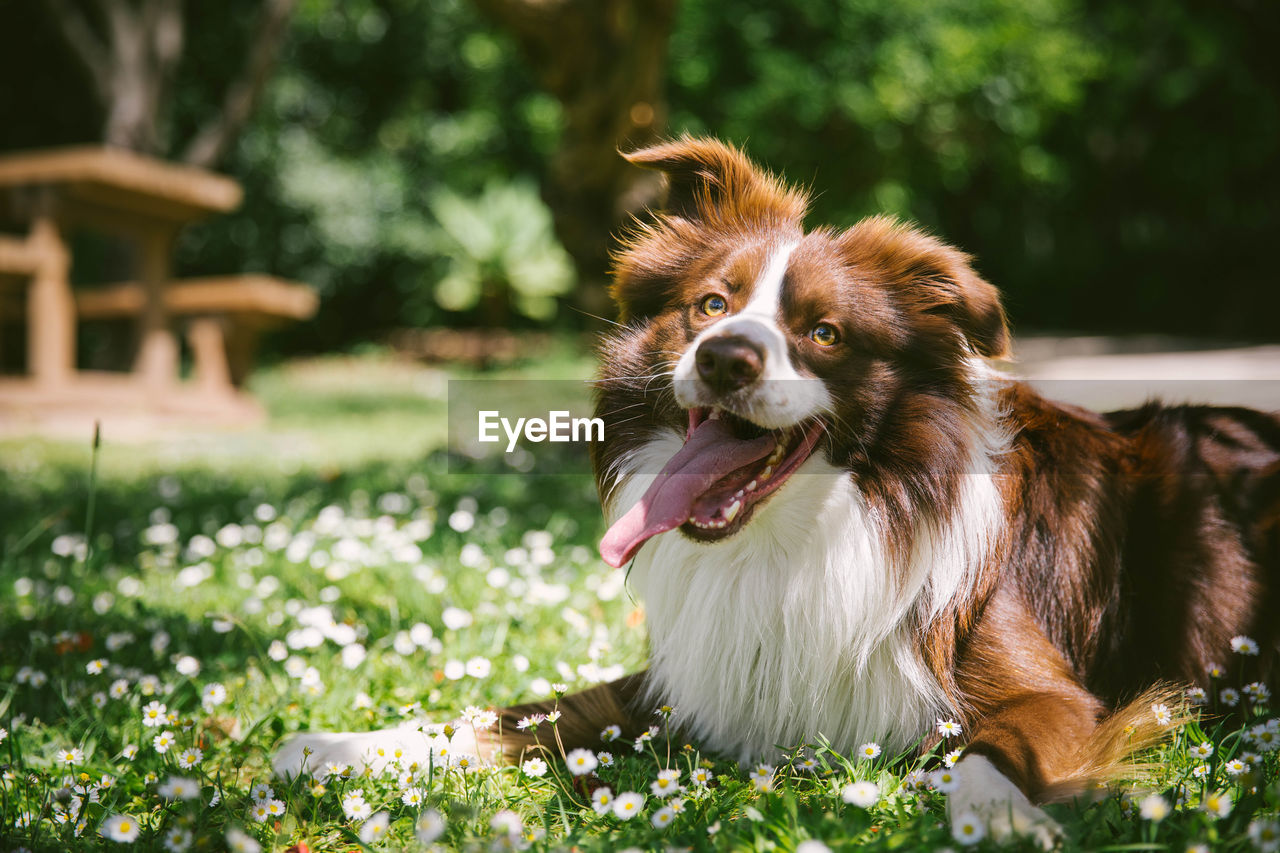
[[775, 342]]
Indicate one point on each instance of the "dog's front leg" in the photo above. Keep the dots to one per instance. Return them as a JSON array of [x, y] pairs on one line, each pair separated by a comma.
[[1032, 725], [1027, 749], [583, 717]]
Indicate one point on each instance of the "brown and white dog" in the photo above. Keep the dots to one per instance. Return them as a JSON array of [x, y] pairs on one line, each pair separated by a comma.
[[844, 524]]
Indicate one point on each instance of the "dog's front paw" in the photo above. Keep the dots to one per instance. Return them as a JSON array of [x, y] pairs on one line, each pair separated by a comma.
[[983, 791], [415, 744]]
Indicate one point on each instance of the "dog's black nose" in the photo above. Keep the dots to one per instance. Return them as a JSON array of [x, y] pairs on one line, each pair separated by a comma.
[[729, 362]]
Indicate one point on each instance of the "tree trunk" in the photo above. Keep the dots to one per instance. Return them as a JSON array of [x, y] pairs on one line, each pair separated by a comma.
[[130, 50], [604, 60], [215, 137]]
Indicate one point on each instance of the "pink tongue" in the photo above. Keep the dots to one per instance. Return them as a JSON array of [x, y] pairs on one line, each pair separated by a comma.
[[710, 454]]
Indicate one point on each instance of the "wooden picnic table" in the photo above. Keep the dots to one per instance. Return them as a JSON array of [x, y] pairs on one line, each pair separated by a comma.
[[146, 202]]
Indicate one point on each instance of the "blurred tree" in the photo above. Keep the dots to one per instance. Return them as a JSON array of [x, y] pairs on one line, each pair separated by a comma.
[[1111, 165], [604, 61], [1105, 162], [130, 50]]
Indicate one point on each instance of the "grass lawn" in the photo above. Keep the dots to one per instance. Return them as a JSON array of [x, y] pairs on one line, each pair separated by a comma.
[[328, 571]]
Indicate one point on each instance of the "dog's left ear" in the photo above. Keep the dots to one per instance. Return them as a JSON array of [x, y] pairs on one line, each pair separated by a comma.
[[932, 279], [707, 178]]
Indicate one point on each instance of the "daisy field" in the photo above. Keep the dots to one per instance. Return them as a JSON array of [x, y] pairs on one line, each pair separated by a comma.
[[171, 610]]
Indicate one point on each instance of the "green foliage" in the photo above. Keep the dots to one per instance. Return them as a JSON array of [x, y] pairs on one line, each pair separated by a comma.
[[1107, 163], [377, 109], [501, 249], [1103, 161]]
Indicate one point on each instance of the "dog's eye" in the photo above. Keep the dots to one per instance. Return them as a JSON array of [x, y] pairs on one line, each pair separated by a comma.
[[825, 335], [714, 305]]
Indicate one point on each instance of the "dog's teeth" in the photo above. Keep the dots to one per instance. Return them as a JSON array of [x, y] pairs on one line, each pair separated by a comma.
[[714, 416], [732, 512], [766, 473], [751, 487], [739, 493]]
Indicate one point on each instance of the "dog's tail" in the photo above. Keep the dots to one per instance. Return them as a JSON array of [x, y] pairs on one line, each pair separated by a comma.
[[1120, 738]]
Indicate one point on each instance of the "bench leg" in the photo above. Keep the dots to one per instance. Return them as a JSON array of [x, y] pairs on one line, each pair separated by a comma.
[[209, 352], [51, 312], [157, 361], [242, 346]]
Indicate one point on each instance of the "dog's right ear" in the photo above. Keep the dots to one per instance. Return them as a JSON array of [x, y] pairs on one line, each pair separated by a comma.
[[709, 179]]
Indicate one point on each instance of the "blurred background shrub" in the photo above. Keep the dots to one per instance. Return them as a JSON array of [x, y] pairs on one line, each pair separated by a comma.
[[1112, 166]]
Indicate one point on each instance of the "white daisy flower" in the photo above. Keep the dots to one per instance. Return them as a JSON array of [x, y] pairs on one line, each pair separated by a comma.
[[355, 807], [602, 800], [213, 695], [162, 742], [1265, 834], [1218, 804], [178, 839], [948, 728], [534, 767], [375, 828], [628, 804], [868, 751], [1243, 645], [581, 761], [667, 783], [863, 794], [239, 841], [71, 757], [154, 714], [506, 822], [1154, 808], [944, 780], [967, 828], [179, 788], [190, 758], [662, 817], [429, 827], [120, 827], [1257, 691]]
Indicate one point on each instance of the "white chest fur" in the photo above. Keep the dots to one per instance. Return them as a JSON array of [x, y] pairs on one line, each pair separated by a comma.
[[797, 626]]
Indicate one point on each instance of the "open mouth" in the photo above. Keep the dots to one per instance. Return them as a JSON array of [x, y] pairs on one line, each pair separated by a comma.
[[711, 487]]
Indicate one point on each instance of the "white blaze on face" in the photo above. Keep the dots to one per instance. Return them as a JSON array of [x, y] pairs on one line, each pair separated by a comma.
[[783, 397]]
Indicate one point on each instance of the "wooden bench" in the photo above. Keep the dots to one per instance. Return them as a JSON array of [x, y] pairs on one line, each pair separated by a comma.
[[224, 316], [19, 257]]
